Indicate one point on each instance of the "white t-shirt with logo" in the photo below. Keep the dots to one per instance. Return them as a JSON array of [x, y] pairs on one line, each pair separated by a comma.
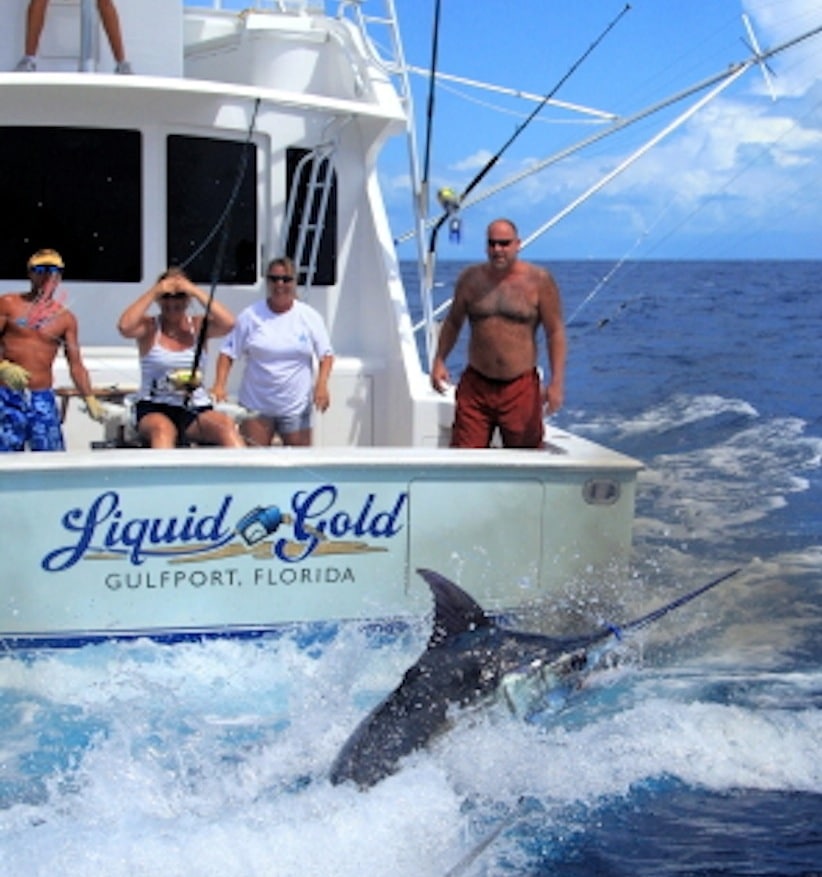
[[279, 352]]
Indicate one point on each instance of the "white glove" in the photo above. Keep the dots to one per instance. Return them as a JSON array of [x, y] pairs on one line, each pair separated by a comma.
[[95, 408]]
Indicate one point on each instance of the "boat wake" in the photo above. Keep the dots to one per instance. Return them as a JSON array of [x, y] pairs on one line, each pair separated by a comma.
[[215, 755]]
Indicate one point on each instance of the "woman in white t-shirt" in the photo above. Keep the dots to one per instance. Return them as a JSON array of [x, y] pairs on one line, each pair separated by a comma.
[[279, 339]]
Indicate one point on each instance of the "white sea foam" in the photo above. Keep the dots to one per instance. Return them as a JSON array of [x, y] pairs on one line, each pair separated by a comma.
[[211, 759], [705, 492], [678, 411]]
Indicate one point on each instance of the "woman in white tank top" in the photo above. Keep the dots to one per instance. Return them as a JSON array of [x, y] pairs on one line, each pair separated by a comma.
[[173, 407]]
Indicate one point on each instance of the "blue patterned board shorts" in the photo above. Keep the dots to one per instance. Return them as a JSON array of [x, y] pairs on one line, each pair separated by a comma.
[[32, 418]]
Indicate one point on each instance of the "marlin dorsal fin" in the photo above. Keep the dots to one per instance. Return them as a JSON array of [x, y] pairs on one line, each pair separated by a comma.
[[455, 612]]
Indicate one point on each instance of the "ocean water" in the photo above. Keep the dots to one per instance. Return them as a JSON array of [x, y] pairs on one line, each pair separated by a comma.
[[700, 754]]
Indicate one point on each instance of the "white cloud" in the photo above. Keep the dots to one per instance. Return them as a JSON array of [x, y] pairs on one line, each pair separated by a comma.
[[799, 70], [474, 162]]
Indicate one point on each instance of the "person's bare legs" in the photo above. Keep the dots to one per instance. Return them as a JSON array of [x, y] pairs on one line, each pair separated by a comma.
[[111, 25], [35, 19], [257, 431], [158, 430], [215, 428], [299, 439]]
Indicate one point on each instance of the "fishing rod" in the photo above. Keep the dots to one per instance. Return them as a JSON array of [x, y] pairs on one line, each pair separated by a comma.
[[453, 203], [430, 108], [224, 224]]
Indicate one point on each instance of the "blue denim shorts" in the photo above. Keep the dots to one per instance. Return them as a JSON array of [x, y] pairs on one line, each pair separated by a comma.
[[291, 423]]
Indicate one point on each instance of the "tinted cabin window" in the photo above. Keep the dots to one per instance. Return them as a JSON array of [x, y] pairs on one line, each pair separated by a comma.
[[75, 190], [308, 210], [203, 175]]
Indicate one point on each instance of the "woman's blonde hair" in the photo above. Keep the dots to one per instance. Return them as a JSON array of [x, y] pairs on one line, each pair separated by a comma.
[[283, 262]]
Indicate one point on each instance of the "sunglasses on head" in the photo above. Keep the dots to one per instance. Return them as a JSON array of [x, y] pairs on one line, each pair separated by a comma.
[[46, 269], [500, 242], [279, 278]]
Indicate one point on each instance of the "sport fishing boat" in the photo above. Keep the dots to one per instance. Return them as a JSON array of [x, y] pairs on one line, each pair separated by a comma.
[[239, 137]]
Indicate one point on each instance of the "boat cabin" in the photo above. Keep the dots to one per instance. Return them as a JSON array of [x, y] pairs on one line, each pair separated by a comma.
[[274, 115]]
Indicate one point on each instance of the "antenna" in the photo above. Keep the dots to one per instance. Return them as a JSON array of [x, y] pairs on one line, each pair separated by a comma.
[[760, 57]]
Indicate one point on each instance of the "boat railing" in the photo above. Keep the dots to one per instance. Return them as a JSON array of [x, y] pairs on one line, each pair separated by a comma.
[[381, 36]]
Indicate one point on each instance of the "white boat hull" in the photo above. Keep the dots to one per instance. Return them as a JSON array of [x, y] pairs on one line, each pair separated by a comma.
[[182, 543]]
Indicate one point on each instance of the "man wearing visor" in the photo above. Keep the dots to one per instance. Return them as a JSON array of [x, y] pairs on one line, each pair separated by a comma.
[[33, 326]]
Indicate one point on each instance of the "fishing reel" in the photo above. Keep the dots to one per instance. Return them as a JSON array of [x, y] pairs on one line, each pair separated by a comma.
[[450, 203], [449, 199]]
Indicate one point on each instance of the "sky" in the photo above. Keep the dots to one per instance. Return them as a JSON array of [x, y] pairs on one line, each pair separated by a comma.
[[742, 178]]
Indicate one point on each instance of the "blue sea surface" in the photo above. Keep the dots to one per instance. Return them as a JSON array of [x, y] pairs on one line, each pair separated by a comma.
[[699, 755]]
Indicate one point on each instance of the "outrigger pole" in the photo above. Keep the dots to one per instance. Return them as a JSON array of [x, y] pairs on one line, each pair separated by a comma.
[[454, 205], [724, 80], [718, 83]]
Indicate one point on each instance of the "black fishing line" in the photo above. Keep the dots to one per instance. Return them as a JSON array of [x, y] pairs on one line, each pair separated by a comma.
[[224, 224]]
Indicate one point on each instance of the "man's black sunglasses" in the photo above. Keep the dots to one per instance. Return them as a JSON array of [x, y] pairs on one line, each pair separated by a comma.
[[279, 278]]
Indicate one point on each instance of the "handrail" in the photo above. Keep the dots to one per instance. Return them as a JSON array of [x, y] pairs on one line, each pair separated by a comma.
[[317, 164]]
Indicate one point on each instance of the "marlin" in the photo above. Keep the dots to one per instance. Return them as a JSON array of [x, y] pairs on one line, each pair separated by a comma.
[[471, 661]]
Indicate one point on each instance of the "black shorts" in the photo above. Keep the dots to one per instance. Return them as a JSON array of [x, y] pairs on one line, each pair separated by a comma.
[[181, 417]]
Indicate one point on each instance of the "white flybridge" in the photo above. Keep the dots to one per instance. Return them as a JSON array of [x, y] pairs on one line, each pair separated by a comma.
[[273, 117]]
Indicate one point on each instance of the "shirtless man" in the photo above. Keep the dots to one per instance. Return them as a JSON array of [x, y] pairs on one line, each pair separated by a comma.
[[33, 326], [505, 301]]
